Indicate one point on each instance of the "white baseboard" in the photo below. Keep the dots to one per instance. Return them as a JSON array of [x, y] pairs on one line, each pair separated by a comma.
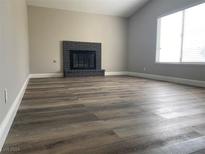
[[169, 79], [135, 74], [8, 120], [115, 73], [46, 75], [49, 75]]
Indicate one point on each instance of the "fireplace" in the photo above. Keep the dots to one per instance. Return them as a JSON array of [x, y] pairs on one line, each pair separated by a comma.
[[82, 59]]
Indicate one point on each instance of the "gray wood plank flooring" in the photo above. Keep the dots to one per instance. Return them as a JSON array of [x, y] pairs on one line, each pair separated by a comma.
[[108, 115]]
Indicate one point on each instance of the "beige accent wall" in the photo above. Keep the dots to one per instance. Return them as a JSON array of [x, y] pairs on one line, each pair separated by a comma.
[[14, 65], [49, 27]]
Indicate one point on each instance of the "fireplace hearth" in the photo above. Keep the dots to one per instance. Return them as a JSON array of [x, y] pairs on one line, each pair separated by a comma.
[[82, 59]]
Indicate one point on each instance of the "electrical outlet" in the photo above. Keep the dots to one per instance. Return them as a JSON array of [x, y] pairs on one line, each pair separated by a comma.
[[145, 69], [5, 96]]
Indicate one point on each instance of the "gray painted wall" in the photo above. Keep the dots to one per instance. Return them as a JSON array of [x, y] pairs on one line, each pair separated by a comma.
[[14, 65], [142, 41]]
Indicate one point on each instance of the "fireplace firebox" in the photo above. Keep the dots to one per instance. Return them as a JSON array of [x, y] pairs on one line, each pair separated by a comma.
[[82, 59]]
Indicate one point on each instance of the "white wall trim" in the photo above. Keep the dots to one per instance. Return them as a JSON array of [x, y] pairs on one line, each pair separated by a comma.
[[8, 120], [169, 79], [115, 73], [46, 75], [49, 75], [135, 74]]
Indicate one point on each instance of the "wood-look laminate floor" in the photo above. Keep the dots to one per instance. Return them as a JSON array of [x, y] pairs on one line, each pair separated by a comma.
[[108, 115]]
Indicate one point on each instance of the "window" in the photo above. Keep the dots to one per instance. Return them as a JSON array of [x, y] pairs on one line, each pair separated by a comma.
[[181, 36]]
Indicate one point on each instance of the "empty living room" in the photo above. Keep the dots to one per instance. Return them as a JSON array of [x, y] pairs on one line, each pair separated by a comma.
[[102, 77]]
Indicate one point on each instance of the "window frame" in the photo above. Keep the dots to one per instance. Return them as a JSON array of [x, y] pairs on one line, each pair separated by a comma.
[[158, 34]]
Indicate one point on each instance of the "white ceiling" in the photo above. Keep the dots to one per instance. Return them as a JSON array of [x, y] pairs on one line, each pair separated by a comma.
[[123, 8]]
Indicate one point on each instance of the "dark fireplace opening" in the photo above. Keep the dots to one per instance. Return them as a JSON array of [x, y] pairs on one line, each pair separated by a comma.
[[82, 60]]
